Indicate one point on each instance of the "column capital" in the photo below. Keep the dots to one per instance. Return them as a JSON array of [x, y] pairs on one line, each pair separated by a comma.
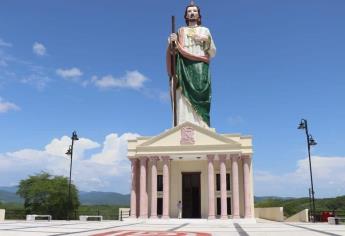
[[154, 159], [165, 158], [235, 157], [133, 160], [143, 158], [246, 157], [222, 157], [210, 157]]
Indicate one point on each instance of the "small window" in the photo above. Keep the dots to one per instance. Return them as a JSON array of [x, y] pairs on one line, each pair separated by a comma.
[[228, 203], [227, 182], [160, 206], [159, 182], [219, 205], [218, 182]]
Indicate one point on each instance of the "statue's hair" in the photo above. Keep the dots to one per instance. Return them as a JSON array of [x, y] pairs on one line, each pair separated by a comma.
[[185, 13]]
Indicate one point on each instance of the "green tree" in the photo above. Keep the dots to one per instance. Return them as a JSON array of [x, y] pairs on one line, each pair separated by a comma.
[[47, 194]]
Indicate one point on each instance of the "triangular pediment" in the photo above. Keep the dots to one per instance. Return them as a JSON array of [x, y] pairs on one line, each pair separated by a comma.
[[189, 134]]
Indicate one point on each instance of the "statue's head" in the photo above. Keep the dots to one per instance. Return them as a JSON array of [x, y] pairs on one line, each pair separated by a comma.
[[192, 13]]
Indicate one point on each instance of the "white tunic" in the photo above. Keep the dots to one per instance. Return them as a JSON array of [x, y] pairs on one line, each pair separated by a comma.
[[184, 110]]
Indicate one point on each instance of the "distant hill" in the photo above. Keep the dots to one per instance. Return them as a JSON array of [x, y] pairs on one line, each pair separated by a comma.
[[8, 195], [294, 205], [264, 198], [103, 198], [11, 189], [291, 205]]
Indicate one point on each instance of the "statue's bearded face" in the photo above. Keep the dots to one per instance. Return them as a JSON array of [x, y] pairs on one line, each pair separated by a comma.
[[192, 13]]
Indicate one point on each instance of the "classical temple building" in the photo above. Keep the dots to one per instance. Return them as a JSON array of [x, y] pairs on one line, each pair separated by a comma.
[[210, 173]]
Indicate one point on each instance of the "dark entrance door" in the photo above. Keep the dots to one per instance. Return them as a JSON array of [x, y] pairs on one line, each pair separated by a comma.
[[191, 195], [160, 206]]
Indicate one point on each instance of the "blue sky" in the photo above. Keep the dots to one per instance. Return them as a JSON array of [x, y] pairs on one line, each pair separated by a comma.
[[98, 67]]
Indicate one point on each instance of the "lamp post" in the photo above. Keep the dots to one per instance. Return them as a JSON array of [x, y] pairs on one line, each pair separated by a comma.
[[310, 205], [310, 142], [70, 153]]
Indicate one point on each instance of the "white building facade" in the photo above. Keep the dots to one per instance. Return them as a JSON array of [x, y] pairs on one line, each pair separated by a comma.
[[210, 173]]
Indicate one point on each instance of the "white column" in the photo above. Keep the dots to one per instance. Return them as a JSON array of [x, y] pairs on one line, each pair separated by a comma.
[[223, 195], [211, 209], [153, 162], [143, 191], [134, 188], [235, 187], [166, 187], [246, 187]]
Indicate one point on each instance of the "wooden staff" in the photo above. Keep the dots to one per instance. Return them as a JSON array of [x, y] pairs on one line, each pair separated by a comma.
[[173, 72]]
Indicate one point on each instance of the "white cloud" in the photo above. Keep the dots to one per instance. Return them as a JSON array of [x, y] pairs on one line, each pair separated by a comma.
[[132, 80], [39, 80], [39, 49], [328, 176], [114, 152], [95, 167], [25, 72], [3, 43], [57, 147], [7, 106], [69, 73]]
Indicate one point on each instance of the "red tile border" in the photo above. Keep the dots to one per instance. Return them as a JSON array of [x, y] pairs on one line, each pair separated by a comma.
[[149, 233]]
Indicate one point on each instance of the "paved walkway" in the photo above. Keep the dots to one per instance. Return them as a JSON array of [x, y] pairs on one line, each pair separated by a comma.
[[167, 228]]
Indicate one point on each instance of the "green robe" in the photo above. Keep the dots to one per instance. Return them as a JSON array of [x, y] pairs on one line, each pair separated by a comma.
[[194, 78]]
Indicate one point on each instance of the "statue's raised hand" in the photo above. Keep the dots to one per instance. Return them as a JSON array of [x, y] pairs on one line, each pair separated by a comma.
[[173, 37]]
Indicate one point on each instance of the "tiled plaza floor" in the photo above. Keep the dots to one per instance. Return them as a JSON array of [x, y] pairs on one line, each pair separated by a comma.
[[167, 228]]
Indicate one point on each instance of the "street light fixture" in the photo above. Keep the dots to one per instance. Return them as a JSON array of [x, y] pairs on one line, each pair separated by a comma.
[[70, 153], [310, 142], [301, 125]]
